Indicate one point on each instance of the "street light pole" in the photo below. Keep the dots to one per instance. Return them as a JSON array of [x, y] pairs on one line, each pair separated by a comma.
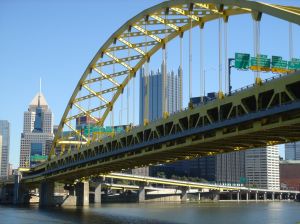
[[229, 74]]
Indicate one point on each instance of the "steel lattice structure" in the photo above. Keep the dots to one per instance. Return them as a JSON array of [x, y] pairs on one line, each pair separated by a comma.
[[133, 44]]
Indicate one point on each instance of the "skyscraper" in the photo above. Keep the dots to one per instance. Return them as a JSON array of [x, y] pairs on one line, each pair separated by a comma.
[[37, 132], [262, 167], [151, 90], [155, 88], [230, 167], [5, 133], [292, 151]]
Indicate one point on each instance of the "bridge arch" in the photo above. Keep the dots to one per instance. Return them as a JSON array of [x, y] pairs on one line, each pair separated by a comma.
[[127, 49]]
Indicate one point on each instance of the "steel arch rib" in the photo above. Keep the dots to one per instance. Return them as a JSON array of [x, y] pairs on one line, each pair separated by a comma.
[[291, 14]]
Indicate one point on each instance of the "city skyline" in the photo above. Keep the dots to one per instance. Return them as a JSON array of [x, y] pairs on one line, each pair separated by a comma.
[[60, 59], [158, 111]]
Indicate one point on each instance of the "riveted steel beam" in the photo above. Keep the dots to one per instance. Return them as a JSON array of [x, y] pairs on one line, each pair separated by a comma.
[[146, 32], [88, 81], [85, 112], [96, 94], [106, 77], [166, 22], [76, 131], [131, 46], [120, 61]]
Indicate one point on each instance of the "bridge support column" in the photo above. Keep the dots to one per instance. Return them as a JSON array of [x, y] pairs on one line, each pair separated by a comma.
[[265, 196], [238, 196], [46, 192], [215, 195], [20, 193], [199, 196], [247, 196], [273, 196], [2, 193], [98, 194], [142, 193], [82, 193], [280, 196], [256, 195], [183, 196]]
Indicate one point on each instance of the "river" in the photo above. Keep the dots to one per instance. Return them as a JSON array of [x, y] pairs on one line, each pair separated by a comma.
[[150, 213]]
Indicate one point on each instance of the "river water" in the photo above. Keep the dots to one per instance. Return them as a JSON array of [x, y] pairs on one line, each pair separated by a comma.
[[150, 213]]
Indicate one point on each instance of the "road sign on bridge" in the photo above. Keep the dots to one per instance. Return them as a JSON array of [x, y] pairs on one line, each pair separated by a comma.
[[241, 61]]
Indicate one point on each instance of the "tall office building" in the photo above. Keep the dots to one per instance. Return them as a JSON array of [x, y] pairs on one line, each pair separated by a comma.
[[154, 82], [156, 101], [292, 151], [37, 132], [0, 150], [230, 167], [5, 133], [203, 167], [262, 167]]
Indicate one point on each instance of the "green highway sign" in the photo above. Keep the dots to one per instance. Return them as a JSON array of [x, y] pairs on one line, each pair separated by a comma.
[[294, 65], [243, 180], [90, 129], [262, 56], [279, 64], [36, 158], [241, 61], [260, 61], [276, 58]]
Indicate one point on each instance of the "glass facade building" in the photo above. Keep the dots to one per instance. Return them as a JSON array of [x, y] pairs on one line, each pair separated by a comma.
[[292, 151], [5, 133]]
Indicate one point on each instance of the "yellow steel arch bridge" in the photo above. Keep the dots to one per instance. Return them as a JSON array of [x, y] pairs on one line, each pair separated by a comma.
[[132, 45], [118, 61]]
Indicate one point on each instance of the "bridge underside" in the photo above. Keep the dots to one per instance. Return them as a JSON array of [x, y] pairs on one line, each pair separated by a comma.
[[262, 115]]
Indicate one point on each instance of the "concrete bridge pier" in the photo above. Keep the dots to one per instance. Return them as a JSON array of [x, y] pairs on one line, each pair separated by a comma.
[[46, 192], [20, 192], [256, 196], [2, 193], [142, 193], [183, 196], [247, 196], [82, 193], [215, 195], [98, 194]]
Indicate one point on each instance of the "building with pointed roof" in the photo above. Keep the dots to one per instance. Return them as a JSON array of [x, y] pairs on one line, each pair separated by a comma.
[[37, 132]]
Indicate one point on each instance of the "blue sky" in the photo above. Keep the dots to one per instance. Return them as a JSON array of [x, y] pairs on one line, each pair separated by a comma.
[[55, 40]]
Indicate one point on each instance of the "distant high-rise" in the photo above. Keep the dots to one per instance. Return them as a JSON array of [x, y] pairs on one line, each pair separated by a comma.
[[292, 151], [5, 133], [37, 132], [155, 82], [262, 167], [230, 167], [173, 96]]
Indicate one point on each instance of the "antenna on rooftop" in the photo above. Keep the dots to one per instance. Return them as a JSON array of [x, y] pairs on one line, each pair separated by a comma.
[[40, 85]]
